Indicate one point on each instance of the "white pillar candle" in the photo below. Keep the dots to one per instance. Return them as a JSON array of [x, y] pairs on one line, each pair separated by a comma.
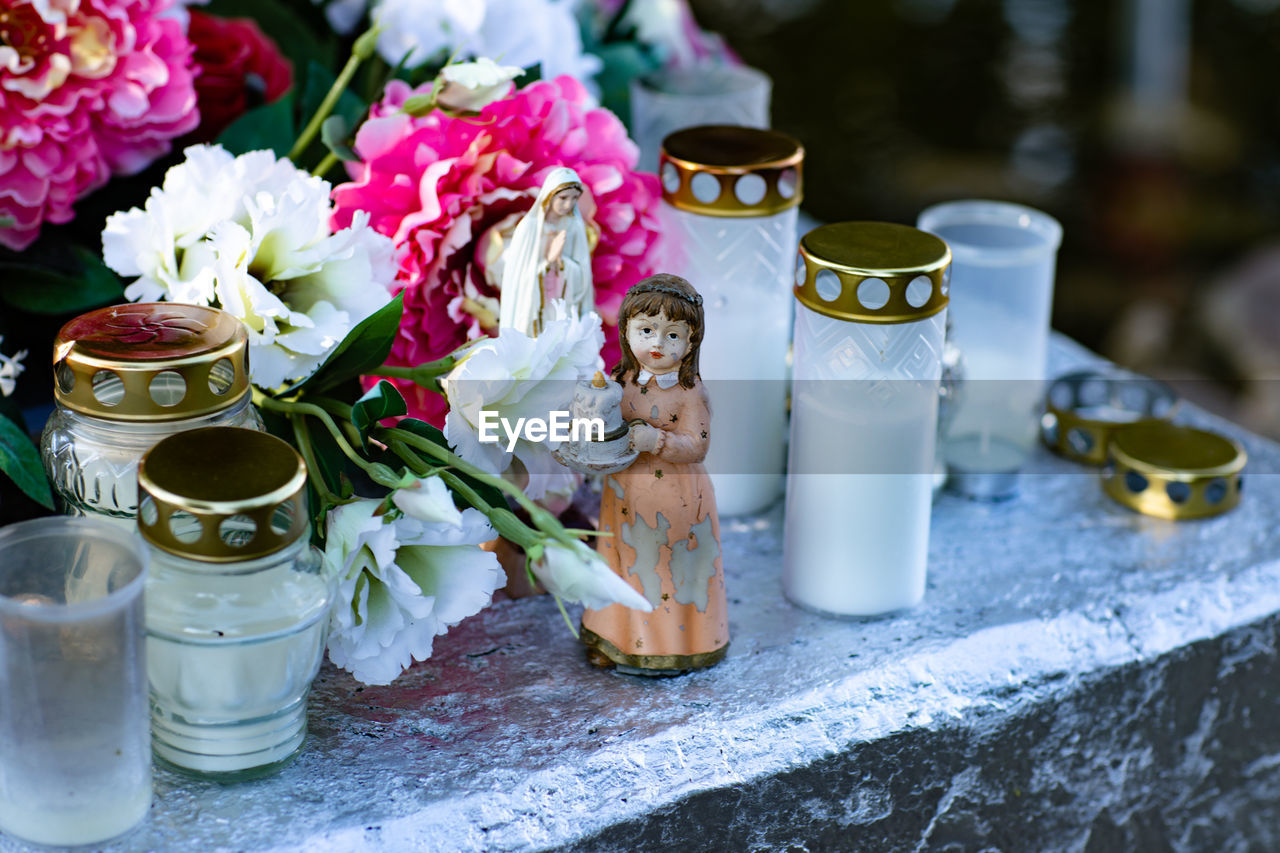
[[730, 202], [868, 344]]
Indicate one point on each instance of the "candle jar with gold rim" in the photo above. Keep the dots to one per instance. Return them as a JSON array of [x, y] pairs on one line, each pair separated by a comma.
[[237, 601], [871, 309], [126, 377], [731, 196]]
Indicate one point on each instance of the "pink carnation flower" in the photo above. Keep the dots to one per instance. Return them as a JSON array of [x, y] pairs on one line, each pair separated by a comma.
[[436, 184], [88, 89]]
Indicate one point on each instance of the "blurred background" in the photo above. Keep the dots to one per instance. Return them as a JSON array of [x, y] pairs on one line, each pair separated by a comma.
[[1149, 128]]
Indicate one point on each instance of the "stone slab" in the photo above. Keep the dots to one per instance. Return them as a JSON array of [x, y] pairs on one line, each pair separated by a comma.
[[1079, 677]]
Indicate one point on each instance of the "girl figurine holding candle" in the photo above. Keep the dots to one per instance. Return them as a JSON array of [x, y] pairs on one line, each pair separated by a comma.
[[549, 257], [661, 510]]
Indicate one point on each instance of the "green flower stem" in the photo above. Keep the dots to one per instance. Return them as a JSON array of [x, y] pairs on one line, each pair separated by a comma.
[[426, 374], [371, 468], [545, 521], [303, 437], [330, 160], [362, 50]]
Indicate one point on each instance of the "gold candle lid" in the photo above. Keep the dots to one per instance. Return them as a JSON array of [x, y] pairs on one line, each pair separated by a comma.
[[222, 494], [151, 361], [1175, 472], [727, 170], [1084, 408], [873, 272]]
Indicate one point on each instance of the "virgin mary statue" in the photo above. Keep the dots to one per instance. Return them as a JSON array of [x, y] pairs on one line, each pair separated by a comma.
[[549, 257]]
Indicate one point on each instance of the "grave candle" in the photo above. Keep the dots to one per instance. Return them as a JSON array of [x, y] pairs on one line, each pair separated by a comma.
[[237, 603], [730, 200], [871, 309], [124, 378]]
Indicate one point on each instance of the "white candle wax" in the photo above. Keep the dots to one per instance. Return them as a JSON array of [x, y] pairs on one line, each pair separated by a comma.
[[230, 659], [743, 269], [984, 454], [1108, 414], [859, 495]]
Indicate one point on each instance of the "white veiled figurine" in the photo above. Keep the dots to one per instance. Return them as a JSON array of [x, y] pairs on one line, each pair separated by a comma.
[[549, 257]]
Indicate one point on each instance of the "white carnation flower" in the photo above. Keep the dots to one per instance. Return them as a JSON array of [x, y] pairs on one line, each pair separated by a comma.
[[515, 376], [579, 574], [10, 367], [251, 235], [404, 578]]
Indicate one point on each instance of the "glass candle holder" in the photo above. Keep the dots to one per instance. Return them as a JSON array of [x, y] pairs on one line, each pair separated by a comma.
[[237, 602], [126, 377], [75, 756], [1002, 293], [730, 200], [671, 99], [871, 309]]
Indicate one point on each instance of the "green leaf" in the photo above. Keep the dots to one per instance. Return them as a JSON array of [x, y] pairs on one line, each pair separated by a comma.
[[21, 461], [489, 494], [76, 282], [334, 133], [269, 127], [381, 401], [363, 350]]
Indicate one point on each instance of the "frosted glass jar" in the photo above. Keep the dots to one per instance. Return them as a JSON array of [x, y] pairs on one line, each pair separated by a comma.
[[669, 99], [237, 601], [126, 377], [730, 200], [75, 762], [1002, 287], [870, 316]]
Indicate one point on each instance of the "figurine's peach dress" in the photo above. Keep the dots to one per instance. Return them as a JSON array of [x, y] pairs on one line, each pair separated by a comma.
[[665, 543]]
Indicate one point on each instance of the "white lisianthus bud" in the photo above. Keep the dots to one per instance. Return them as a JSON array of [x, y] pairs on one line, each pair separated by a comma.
[[578, 573]]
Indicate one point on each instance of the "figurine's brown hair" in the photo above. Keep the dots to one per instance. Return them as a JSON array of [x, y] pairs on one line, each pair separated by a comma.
[[667, 294]]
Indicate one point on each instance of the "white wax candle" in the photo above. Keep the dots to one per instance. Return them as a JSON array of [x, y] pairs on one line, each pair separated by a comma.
[[984, 454], [743, 269], [859, 495], [1108, 414], [230, 659]]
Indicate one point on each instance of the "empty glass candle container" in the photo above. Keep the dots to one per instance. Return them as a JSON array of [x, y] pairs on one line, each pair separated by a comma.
[[75, 758], [126, 377], [730, 200], [237, 601], [1002, 279], [871, 308], [669, 99]]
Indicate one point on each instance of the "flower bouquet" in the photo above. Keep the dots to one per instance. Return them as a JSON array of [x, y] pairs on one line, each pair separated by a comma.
[[352, 241]]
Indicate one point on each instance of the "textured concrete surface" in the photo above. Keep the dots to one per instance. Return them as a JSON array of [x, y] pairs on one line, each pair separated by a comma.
[[1079, 677]]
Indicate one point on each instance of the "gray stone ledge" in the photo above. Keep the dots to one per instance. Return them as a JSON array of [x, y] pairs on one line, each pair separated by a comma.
[[1079, 677]]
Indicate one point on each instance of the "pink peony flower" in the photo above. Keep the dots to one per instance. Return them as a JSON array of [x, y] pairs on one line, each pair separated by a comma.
[[88, 89], [437, 184]]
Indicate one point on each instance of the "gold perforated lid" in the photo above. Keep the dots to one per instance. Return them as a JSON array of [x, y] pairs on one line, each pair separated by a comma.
[[151, 361], [1172, 471], [221, 494], [873, 272], [727, 170]]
